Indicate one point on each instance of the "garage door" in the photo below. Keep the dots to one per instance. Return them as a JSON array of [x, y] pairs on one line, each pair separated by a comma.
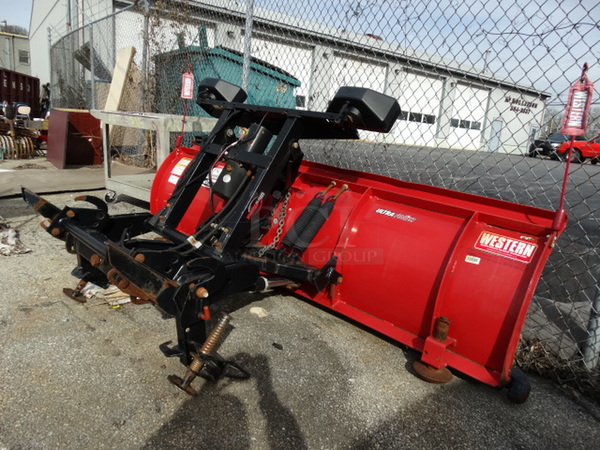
[[419, 97], [468, 114]]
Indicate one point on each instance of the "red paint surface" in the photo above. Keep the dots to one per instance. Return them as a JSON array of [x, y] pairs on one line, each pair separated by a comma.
[[410, 253]]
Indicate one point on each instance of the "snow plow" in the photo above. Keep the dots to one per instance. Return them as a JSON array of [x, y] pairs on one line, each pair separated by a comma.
[[448, 274]]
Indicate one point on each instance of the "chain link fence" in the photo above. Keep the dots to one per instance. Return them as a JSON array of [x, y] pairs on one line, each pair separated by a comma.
[[477, 82]]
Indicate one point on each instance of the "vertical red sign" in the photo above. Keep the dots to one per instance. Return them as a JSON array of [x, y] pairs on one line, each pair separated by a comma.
[[578, 106], [187, 85]]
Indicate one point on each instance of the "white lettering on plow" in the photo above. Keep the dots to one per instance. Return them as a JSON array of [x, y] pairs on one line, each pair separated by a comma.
[[506, 246]]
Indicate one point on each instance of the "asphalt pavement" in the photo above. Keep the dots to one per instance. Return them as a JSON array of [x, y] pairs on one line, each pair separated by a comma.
[[90, 376]]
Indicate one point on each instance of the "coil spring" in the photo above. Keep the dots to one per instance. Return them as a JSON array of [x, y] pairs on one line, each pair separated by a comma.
[[214, 336], [301, 222], [310, 231], [196, 366]]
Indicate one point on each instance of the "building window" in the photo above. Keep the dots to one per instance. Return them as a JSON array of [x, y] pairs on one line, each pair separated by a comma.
[[417, 117], [429, 118], [23, 57], [466, 124]]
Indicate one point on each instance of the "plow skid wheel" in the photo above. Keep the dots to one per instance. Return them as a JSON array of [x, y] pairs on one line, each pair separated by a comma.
[[74, 295], [181, 384], [203, 364], [518, 388], [431, 374]]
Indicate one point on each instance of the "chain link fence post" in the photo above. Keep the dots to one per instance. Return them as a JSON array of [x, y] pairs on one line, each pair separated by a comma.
[[145, 52], [92, 68], [247, 44]]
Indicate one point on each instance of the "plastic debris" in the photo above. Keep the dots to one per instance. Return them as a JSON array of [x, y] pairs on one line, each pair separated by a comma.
[[10, 244], [111, 295]]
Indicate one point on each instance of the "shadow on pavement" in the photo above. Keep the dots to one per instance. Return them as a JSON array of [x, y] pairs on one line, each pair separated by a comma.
[[216, 419]]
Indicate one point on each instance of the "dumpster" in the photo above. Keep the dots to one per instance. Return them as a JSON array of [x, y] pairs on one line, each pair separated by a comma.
[[268, 85]]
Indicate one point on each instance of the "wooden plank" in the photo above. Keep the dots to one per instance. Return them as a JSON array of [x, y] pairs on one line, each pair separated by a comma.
[[119, 80]]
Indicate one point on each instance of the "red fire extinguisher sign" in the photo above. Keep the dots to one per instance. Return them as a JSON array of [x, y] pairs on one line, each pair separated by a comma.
[[578, 106], [187, 85]]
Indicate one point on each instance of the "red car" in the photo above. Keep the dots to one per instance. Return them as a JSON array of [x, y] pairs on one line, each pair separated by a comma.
[[582, 150]]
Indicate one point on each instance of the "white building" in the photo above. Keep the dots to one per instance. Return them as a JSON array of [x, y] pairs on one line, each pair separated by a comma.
[[52, 20], [443, 103], [14, 53]]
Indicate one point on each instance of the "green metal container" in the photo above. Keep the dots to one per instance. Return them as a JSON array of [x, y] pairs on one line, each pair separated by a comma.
[[267, 85]]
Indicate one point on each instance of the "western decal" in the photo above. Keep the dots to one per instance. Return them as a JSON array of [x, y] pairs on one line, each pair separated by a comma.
[[517, 249]]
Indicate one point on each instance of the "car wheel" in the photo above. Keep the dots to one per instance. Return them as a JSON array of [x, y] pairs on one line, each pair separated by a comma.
[[577, 156], [594, 161], [561, 156]]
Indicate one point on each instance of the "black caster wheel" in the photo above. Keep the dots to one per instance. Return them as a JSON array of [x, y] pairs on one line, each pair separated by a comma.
[[518, 388], [110, 197]]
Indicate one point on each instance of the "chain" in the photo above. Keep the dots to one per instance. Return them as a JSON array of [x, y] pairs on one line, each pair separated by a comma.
[[281, 219]]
